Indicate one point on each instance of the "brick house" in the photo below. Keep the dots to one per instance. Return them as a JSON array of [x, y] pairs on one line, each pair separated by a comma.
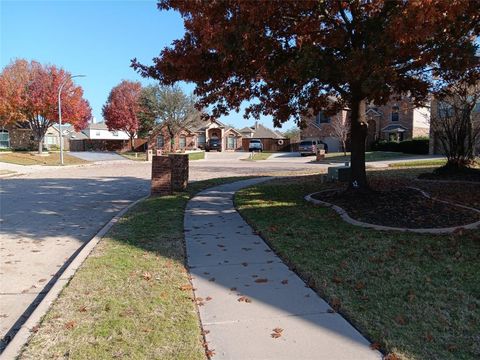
[[397, 120], [196, 136]]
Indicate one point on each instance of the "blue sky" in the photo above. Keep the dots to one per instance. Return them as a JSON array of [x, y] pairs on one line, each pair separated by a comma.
[[97, 38]]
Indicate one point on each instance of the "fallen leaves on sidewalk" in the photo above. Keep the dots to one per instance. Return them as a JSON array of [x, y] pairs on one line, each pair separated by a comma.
[[277, 332], [261, 281], [244, 299]]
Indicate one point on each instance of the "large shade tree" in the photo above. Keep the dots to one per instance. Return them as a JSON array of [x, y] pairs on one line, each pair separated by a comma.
[[29, 95], [296, 56], [170, 108], [121, 111]]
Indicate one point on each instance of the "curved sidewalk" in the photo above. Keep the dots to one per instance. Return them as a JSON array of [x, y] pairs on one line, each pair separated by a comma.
[[251, 305]]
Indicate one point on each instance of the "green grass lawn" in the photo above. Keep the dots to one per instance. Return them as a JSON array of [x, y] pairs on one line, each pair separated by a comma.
[[141, 156], [259, 156], [369, 156], [30, 158], [126, 300], [418, 296], [133, 155], [419, 163]]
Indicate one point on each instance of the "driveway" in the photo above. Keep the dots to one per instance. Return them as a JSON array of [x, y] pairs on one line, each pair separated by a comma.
[[96, 155]]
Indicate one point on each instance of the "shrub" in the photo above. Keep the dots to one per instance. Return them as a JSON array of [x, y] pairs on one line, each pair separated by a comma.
[[414, 146]]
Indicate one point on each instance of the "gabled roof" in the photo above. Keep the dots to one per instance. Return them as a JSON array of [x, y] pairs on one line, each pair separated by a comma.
[[264, 132], [246, 129], [232, 129], [97, 126]]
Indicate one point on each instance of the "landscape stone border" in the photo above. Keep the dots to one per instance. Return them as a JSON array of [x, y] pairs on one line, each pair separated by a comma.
[[345, 217]]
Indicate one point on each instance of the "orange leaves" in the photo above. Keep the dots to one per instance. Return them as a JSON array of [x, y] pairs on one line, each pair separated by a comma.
[[123, 106], [187, 287]]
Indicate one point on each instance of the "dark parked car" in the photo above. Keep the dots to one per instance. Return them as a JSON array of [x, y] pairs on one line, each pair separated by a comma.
[[309, 147], [213, 144]]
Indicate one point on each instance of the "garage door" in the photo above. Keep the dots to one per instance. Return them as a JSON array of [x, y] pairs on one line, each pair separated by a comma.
[[333, 144]]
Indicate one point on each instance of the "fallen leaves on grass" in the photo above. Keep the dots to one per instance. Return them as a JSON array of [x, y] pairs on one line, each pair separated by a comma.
[[336, 304], [147, 276], [400, 320], [186, 287], [70, 325]]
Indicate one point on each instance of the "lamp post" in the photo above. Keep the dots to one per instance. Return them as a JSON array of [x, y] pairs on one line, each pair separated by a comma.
[[60, 113]]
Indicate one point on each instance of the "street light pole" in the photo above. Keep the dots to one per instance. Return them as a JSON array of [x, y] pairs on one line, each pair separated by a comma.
[[60, 113]]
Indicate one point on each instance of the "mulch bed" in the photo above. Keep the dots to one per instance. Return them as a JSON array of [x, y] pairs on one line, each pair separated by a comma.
[[402, 207], [471, 174]]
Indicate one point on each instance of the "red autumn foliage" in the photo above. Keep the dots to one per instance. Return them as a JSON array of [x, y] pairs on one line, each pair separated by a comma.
[[296, 56], [122, 108], [29, 94]]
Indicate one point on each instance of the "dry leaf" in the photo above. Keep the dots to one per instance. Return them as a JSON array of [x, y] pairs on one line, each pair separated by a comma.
[[186, 287], [375, 346], [337, 279], [83, 309], [244, 299], [261, 281], [391, 356], [210, 353], [146, 275], [285, 282], [336, 304], [278, 330], [244, 264], [359, 285], [70, 325], [208, 298], [400, 320]]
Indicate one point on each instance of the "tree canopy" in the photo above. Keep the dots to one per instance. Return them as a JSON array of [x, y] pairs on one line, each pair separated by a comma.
[[121, 111], [29, 93], [296, 57]]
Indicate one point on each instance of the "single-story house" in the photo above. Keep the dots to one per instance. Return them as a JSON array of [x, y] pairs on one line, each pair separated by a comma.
[[272, 140], [195, 136]]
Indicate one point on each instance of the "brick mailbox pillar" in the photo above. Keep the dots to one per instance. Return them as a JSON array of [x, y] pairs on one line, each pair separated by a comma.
[[179, 165], [169, 173]]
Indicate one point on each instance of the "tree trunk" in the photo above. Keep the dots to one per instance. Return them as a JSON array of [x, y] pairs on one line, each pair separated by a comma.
[[131, 143], [358, 176], [40, 146]]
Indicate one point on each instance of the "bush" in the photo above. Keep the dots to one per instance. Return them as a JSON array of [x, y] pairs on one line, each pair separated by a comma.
[[415, 146], [383, 145]]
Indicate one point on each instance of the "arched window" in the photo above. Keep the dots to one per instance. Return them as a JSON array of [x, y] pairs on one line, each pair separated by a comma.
[[160, 141], [4, 139]]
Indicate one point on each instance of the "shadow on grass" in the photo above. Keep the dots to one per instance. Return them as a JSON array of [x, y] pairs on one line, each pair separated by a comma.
[[416, 295]]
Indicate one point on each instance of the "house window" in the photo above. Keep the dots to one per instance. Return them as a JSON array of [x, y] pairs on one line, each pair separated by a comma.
[[395, 113], [445, 110], [50, 140], [321, 118], [231, 142], [201, 139], [183, 142], [97, 133], [4, 139], [160, 141]]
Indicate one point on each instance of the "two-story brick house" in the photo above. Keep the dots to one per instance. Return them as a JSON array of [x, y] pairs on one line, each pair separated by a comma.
[[397, 120]]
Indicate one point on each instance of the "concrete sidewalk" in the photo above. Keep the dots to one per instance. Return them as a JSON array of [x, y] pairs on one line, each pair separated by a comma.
[[246, 294]]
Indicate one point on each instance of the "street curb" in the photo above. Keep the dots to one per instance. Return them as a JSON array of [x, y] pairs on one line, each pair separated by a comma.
[[12, 351], [345, 217]]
